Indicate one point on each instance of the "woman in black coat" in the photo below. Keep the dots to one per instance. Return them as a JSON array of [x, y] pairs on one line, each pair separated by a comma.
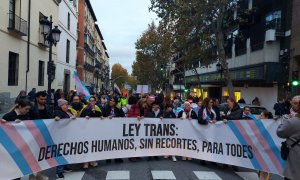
[[111, 110], [19, 112], [233, 112]]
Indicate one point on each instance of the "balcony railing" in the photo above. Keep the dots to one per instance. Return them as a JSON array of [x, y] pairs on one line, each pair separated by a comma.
[[89, 49], [89, 67], [17, 24]]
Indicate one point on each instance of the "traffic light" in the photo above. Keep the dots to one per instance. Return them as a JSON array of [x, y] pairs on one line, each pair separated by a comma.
[[288, 86], [295, 83], [162, 67]]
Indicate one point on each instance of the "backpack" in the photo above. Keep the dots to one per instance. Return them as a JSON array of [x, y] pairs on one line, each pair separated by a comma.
[[285, 149]]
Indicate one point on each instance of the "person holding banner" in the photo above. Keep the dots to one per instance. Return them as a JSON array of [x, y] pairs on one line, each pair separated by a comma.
[[111, 110], [76, 106], [62, 112], [290, 129], [233, 112], [206, 113], [168, 113], [91, 110], [264, 115], [187, 113], [247, 115], [40, 110], [18, 113]]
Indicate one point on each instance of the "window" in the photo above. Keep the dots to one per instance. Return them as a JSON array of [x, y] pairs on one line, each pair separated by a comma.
[[69, 21], [237, 95], [68, 52], [273, 20], [12, 12], [13, 69], [41, 73]]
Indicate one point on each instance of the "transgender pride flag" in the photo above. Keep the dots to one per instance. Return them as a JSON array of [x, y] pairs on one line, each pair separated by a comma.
[[80, 86]]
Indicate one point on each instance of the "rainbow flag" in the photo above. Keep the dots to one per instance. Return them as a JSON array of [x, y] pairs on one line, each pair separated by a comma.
[[80, 86], [117, 89]]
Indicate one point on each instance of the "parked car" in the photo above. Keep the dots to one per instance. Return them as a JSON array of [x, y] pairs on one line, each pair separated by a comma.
[[255, 110]]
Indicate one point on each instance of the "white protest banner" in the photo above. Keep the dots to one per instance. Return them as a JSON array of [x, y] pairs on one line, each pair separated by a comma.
[[142, 89], [33, 146]]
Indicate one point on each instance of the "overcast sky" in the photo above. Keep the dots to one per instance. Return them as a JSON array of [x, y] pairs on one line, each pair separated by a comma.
[[121, 23]]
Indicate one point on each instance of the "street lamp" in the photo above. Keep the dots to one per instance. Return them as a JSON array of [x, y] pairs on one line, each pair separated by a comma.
[[52, 36]]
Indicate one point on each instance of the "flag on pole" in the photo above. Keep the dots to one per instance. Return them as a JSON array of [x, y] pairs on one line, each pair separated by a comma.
[[80, 86], [117, 89]]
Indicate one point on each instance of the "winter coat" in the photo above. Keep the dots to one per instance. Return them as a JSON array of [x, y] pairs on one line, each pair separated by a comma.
[[88, 111], [152, 114], [134, 111], [61, 114], [200, 116], [12, 116], [193, 115], [235, 114], [35, 113], [169, 115], [118, 112], [290, 129]]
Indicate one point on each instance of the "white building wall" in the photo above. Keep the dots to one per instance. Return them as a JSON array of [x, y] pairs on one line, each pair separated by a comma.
[[66, 7], [18, 44], [266, 95]]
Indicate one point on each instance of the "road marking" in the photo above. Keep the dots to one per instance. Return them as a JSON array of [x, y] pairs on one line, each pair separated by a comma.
[[248, 175], [207, 175], [163, 175], [113, 175]]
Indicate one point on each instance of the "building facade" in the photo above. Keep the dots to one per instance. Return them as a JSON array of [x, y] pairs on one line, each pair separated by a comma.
[[254, 55], [25, 53], [66, 48], [91, 50]]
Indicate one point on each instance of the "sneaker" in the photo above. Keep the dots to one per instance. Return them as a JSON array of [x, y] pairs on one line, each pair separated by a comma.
[[174, 159], [166, 157], [60, 176], [183, 158], [94, 164], [85, 165], [189, 159], [67, 169]]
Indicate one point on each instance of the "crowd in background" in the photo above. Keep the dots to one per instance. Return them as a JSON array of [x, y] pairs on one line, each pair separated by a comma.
[[207, 111]]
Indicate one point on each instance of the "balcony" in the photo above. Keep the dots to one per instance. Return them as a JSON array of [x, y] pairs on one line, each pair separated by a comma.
[[89, 67], [89, 49], [17, 24]]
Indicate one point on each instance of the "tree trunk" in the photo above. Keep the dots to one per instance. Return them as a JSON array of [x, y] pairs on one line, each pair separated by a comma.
[[221, 53]]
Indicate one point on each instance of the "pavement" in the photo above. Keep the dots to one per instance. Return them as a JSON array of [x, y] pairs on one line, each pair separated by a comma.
[[157, 169]]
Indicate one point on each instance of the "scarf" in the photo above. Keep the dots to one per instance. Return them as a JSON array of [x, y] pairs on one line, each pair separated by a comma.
[[207, 117], [185, 115]]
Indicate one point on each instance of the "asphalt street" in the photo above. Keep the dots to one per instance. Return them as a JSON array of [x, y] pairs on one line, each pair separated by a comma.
[[157, 169]]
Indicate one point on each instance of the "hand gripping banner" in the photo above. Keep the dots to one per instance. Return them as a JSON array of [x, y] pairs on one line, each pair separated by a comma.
[[33, 146]]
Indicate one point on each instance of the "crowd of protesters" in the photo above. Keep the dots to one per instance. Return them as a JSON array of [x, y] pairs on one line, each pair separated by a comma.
[[207, 111]]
